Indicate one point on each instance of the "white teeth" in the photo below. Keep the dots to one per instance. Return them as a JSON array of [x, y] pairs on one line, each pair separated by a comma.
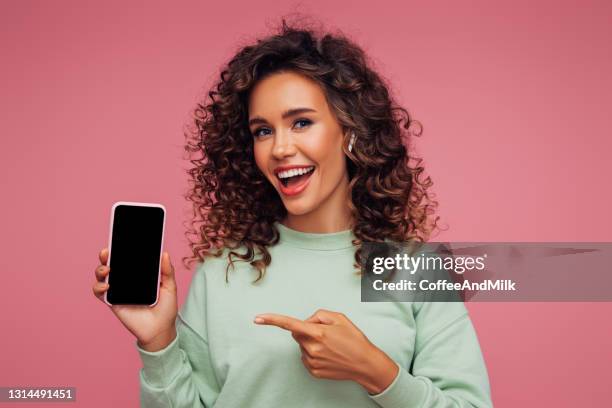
[[294, 172]]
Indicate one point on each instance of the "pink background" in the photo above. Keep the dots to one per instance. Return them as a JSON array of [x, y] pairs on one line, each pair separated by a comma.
[[515, 101]]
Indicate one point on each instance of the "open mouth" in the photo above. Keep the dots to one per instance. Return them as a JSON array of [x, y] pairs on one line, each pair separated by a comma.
[[295, 176]]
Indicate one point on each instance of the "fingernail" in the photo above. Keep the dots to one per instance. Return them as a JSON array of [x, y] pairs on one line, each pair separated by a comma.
[[259, 320]]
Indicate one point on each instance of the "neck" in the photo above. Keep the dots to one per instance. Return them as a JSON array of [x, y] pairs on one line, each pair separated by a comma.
[[332, 215]]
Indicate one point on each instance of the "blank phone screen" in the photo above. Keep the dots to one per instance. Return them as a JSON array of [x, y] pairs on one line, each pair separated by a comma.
[[135, 248]]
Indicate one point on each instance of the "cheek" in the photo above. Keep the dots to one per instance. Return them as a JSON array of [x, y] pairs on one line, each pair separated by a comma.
[[336, 165], [330, 157], [322, 148], [260, 157]]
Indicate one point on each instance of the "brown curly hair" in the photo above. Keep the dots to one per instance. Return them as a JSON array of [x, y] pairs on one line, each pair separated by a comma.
[[235, 205]]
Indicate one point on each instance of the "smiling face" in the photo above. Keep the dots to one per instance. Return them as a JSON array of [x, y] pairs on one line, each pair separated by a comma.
[[295, 131]]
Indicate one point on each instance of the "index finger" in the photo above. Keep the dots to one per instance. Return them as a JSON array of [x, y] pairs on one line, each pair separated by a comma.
[[286, 322]]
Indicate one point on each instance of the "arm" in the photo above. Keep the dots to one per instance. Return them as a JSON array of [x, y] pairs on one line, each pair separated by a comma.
[[181, 374], [448, 369]]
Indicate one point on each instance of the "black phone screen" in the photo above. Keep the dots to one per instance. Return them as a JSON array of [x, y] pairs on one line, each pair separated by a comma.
[[135, 249]]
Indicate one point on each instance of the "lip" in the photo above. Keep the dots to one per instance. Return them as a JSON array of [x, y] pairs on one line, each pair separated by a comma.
[[293, 189]]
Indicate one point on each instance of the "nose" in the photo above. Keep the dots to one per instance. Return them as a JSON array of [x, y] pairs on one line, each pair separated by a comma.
[[283, 146]]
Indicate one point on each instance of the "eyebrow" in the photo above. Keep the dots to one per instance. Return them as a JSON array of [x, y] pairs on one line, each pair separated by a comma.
[[286, 114]]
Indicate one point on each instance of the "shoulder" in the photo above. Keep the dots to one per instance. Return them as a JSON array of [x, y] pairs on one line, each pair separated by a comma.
[[206, 270], [208, 274]]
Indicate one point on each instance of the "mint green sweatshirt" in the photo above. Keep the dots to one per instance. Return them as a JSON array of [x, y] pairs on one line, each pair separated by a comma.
[[221, 358]]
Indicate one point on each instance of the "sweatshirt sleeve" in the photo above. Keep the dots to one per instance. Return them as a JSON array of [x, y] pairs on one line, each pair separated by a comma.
[[181, 375], [448, 369]]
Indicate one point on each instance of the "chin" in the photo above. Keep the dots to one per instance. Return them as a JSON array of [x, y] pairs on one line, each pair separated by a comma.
[[297, 208]]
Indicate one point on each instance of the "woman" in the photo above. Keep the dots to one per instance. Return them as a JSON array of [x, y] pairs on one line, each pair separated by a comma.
[[302, 161]]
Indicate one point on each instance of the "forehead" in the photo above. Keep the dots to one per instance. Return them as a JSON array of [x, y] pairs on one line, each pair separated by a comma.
[[280, 91]]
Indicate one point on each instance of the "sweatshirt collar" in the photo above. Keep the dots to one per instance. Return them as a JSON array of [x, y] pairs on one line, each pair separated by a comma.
[[315, 241]]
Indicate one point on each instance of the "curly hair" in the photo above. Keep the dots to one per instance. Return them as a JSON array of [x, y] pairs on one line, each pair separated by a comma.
[[235, 205]]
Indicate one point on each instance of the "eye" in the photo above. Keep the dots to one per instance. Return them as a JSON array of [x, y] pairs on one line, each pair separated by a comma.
[[300, 124], [257, 132], [304, 122]]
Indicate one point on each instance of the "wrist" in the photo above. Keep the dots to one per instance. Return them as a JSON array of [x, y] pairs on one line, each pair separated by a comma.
[[160, 341], [379, 372]]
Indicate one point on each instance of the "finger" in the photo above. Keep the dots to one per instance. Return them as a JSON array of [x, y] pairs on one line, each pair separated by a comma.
[[167, 271], [306, 352], [320, 372], [313, 362], [99, 288], [322, 316], [101, 273], [308, 362], [301, 339], [312, 319], [319, 319], [298, 337], [103, 255], [286, 322]]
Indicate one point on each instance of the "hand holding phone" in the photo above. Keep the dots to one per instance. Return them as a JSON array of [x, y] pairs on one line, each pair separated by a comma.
[[145, 300]]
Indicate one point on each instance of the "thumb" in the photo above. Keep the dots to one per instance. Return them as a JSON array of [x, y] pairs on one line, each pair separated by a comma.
[[320, 317], [167, 271]]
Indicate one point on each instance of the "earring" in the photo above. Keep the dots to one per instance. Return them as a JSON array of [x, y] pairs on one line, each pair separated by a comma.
[[350, 146]]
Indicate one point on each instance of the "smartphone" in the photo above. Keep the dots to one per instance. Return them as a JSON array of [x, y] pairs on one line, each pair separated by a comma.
[[135, 247]]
